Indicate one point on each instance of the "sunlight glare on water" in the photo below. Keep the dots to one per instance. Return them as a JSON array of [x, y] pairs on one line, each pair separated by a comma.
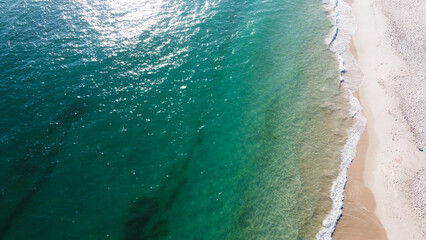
[[123, 21]]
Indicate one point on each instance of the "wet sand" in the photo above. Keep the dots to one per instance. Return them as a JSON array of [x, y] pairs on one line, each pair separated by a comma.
[[358, 220]]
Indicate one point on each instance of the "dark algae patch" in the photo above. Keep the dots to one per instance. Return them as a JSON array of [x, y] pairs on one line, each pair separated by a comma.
[[149, 213], [31, 170]]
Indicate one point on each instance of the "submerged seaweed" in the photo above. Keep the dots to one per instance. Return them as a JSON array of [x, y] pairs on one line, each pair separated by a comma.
[[31, 170], [148, 213]]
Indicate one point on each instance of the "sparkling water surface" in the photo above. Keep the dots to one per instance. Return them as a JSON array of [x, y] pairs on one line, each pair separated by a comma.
[[129, 119]]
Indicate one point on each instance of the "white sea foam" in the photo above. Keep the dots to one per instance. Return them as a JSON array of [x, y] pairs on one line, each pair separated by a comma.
[[350, 75]]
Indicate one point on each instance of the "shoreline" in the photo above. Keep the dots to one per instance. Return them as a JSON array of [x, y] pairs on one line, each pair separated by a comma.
[[358, 220], [379, 193], [339, 42]]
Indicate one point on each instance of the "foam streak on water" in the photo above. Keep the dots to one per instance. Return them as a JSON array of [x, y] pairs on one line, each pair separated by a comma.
[[350, 77]]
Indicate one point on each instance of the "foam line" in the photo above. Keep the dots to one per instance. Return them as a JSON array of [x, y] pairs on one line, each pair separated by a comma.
[[339, 39]]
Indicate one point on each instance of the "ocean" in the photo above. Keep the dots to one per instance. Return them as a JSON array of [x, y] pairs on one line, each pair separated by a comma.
[[180, 119]]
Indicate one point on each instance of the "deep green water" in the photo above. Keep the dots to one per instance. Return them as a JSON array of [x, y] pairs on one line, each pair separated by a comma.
[[172, 119]]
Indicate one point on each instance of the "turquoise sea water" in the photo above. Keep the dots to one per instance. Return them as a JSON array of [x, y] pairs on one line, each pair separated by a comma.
[[153, 119]]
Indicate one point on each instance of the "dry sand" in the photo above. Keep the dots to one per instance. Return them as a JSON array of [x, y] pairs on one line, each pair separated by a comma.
[[385, 197]]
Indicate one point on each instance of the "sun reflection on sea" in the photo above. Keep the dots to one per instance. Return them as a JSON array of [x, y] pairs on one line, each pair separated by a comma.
[[120, 22]]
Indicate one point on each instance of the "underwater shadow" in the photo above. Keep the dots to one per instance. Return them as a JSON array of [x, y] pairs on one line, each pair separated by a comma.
[[31, 170], [148, 219]]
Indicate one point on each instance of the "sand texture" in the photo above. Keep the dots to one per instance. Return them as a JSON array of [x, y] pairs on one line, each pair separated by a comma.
[[390, 50], [358, 220]]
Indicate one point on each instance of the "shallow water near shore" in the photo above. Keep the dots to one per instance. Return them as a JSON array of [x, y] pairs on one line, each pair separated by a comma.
[[167, 119]]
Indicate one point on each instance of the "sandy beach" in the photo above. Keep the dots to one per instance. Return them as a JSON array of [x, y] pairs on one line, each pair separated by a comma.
[[385, 197]]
